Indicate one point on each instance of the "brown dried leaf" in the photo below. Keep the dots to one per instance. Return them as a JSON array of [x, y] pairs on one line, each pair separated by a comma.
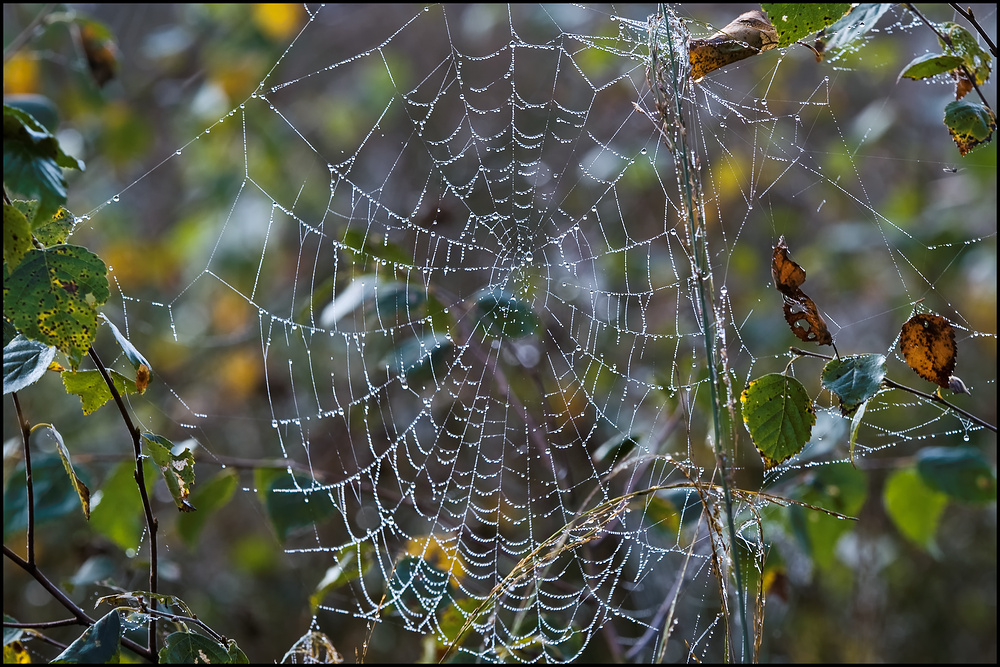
[[788, 276], [749, 34], [800, 311], [927, 342]]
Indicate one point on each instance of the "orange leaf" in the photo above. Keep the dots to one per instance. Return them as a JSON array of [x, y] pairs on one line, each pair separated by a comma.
[[800, 311], [927, 342], [749, 34]]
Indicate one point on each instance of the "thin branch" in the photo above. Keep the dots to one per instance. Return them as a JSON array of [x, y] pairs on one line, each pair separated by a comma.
[[43, 624], [947, 40], [25, 427], [916, 392], [967, 15], [140, 480], [81, 616]]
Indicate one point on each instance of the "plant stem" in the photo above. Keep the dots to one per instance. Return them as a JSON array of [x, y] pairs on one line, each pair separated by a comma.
[[916, 392], [25, 427], [690, 189], [140, 480]]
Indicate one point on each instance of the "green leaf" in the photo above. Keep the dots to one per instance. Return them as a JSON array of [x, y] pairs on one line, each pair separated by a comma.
[[854, 379], [191, 648], [24, 363], [93, 390], [39, 107], [33, 161], [101, 643], [914, 507], [779, 415], [54, 230], [53, 295], [118, 516], [963, 44], [855, 425], [82, 492], [208, 497], [417, 357], [853, 25], [294, 501], [177, 469], [54, 498], [506, 315], [133, 355], [794, 21], [16, 236], [970, 124], [928, 65], [961, 472], [838, 487]]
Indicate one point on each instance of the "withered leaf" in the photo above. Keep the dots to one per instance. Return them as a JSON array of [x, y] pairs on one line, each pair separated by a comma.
[[747, 35], [927, 342], [800, 311]]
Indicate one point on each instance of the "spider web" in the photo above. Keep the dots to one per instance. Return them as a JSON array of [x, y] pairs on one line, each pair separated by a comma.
[[469, 291]]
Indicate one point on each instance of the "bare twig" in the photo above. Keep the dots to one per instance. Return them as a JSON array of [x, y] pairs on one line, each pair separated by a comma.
[[967, 15], [140, 480], [25, 427]]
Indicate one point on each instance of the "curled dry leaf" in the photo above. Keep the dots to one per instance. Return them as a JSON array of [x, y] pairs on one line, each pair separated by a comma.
[[749, 34], [800, 311], [927, 342]]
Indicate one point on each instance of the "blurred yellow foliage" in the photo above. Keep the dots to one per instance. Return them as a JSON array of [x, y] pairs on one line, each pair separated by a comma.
[[20, 75], [444, 557], [277, 22]]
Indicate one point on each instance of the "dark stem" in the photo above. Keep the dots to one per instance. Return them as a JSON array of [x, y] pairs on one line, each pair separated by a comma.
[[140, 480], [947, 40], [916, 392], [81, 616], [967, 15], [29, 485]]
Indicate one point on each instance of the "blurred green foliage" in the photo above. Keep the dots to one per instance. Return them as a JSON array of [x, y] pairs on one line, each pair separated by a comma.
[[915, 580]]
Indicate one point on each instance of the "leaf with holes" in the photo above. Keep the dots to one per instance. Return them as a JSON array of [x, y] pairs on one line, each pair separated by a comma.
[[53, 295], [191, 648], [961, 472], [100, 643], [927, 342], [800, 311], [854, 379], [794, 21], [177, 469], [970, 124], [747, 35], [779, 415]]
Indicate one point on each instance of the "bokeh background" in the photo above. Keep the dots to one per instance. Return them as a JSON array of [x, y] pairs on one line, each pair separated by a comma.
[[876, 595]]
